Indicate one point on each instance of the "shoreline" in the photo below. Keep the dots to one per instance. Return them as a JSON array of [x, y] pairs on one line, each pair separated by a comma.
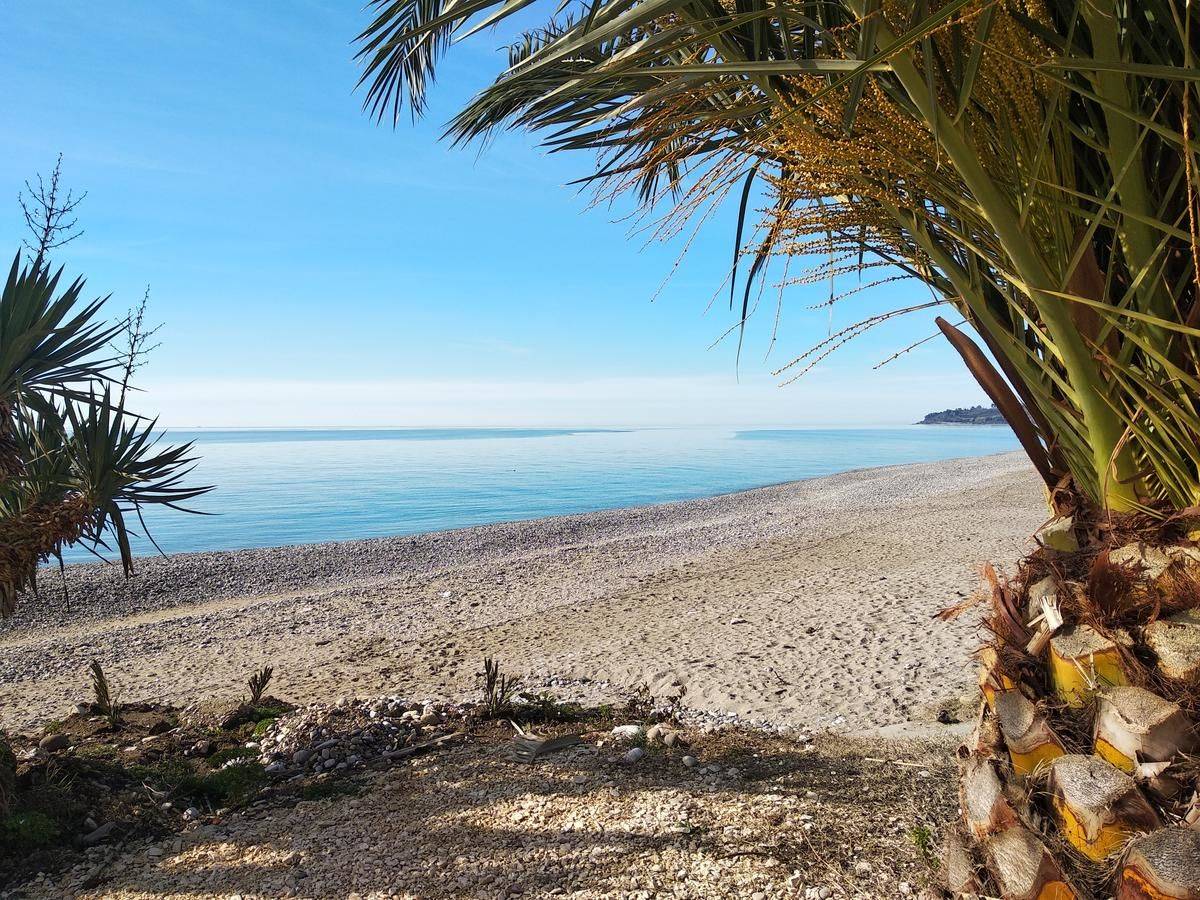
[[725, 596]]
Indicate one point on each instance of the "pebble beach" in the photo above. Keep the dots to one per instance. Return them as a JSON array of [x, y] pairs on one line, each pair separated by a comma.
[[806, 605], [787, 635]]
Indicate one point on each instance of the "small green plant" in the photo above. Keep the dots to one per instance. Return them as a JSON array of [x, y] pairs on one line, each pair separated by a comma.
[[228, 786], [498, 688], [228, 754], [26, 831], [105, 702], [922, 838], [231, 785], [263, 726], [258, 684]]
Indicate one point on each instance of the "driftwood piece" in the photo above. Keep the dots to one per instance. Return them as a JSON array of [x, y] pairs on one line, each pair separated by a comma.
[[1162, 865], [418, 749], [1098, 806]]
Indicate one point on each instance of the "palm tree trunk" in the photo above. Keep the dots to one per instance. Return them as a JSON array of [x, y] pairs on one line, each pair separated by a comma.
[[1078, 780]]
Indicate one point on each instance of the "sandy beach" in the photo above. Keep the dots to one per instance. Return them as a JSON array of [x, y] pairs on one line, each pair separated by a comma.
[[807, 605]]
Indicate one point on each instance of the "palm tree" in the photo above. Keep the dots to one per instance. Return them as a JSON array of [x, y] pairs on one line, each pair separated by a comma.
[[1032, 161]]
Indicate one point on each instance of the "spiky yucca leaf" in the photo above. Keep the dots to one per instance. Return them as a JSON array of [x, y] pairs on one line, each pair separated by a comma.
[[74, 462]]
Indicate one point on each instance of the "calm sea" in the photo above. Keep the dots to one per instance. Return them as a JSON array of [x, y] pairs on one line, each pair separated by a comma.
[[301, 486]]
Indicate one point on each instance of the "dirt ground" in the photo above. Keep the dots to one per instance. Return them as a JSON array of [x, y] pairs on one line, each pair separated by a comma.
[[756, 817]]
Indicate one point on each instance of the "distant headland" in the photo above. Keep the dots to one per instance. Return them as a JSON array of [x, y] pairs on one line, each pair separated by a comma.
[[974, 415]]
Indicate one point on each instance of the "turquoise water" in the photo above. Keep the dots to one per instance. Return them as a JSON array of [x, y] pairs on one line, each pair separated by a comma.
[[303, 486]]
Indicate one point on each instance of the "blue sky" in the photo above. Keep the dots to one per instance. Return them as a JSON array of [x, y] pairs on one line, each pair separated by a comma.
[[314, 268]]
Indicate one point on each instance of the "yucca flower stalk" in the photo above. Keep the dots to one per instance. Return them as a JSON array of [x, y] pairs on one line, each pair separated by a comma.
[[1033, 162]]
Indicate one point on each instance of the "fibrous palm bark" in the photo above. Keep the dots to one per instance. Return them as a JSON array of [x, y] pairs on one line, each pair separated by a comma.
[[1079, 780]]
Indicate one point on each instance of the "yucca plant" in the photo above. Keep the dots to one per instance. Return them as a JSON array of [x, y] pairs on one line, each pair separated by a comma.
[[1033, 163], [75, 462]]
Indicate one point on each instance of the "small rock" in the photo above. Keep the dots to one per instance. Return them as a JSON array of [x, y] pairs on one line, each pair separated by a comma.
[[634, 754], [274, 768], [300, 757], [862, 867], [191, 814], [52, 743], [90, 824], [905, 888], [154, 851], [99, 834], [690, 762], [202, 747], [579, 779], [627, 732]]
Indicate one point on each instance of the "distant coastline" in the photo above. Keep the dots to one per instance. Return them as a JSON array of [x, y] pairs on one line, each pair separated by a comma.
[[971, 415]]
